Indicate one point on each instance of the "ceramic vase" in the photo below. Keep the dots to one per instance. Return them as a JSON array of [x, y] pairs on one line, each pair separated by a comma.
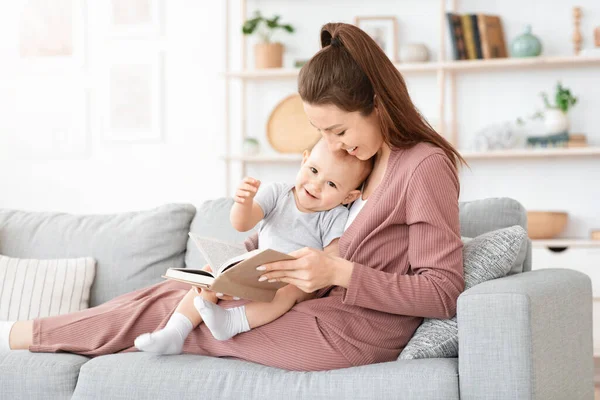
[[250, 147], [268, 55], [526, 45], [555, 121], [414, 52]]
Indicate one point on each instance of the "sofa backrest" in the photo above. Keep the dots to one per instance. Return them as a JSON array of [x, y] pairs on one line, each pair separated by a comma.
[[476, 218], [132, 250], [481, 216]]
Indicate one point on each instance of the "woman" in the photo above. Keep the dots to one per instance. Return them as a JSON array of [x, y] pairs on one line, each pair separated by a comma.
[[401, 256]]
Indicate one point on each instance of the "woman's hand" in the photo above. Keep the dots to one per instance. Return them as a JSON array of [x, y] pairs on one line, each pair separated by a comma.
[[312, 270], [209, 294]]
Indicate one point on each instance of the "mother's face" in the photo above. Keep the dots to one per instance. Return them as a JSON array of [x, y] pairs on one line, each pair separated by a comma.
[[350, 131]]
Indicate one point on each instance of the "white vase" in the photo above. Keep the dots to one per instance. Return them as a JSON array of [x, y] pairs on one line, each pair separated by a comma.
[[414, 52], [555, 121]]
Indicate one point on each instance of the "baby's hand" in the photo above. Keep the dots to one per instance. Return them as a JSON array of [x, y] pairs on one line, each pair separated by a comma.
[[246, 191]]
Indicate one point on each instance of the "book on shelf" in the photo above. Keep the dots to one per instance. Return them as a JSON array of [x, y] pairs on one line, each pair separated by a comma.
[[456, 36], [491, 36], [468, 32], [476, 36], [233, 270]]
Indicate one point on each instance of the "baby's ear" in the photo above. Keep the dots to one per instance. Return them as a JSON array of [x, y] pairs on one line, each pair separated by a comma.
[[353, 195], [305, 156]]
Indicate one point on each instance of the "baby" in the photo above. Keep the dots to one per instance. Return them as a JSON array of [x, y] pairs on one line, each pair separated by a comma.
[[310, 213]]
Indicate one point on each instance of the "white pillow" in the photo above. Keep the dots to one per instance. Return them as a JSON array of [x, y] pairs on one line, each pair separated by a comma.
[[41, 288]]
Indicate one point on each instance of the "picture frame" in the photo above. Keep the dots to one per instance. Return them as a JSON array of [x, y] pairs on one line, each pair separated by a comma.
[[135, 18], [51, 36], [384, 30], [133, 98]]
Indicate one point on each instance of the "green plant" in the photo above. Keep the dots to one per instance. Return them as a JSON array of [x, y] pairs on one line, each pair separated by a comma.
[[264, 27], [563, 98]]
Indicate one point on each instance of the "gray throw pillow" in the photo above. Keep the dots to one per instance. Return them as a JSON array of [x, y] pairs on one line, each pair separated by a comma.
[[486, 257]]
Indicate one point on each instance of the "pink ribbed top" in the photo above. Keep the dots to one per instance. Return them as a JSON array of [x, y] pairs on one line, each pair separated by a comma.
[[407, 253]]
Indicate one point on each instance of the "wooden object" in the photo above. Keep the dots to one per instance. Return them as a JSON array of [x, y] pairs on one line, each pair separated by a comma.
[[545, 224], [492, 36], [577, 33], [288, 129], [268, 55], [597, 37], [595, 235]]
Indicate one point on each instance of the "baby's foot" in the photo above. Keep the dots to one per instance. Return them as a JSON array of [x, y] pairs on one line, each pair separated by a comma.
[[223, 323], [168, 340]]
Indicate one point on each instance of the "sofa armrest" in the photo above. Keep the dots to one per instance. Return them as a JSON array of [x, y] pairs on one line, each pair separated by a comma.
[[527, 336]]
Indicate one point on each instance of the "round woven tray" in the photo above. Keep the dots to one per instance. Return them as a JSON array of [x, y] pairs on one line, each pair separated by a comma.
[[288, 129]]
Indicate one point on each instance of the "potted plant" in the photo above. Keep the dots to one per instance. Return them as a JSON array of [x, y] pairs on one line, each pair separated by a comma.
[[556, 118], [267, 54]]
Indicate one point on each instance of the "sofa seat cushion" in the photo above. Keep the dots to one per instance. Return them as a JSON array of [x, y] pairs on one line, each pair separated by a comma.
[[141, 375], [25, 375]]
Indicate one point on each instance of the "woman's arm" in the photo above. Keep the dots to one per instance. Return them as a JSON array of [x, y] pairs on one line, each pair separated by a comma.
[[434, 251]]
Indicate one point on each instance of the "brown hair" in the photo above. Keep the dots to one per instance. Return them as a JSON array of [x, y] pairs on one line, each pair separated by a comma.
[[353, 73]]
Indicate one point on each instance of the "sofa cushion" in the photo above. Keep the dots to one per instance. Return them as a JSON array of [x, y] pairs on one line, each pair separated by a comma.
[[212, 220], [132, 250], [25, 375], [486, 257], [145, 376], [33, 288], [480, 216]]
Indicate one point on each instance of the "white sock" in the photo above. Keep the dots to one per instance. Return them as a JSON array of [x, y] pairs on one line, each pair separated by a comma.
[[5, 327], [223, 323], [168, 340]]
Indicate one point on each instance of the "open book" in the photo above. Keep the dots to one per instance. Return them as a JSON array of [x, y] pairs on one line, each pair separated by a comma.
[[234, 270]]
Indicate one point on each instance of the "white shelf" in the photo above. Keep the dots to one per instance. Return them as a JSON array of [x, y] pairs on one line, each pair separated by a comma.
[[565, 243], [533, 153], [497, 64], [521, 153], [266, 158]]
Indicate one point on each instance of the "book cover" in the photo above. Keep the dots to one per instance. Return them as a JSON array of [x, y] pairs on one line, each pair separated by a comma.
[[469, 39], [492, 36], [234, 270], [476, 37], [456, 36]]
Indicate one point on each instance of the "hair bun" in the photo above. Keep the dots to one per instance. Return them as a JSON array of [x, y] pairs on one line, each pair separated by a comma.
[[328, 40]]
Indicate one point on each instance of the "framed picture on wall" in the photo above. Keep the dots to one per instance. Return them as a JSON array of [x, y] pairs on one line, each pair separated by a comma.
[[384, 30], [135, 18], [51, 34], [133, 97]]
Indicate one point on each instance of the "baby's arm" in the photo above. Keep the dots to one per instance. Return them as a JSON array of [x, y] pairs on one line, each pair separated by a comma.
[[246, 213]]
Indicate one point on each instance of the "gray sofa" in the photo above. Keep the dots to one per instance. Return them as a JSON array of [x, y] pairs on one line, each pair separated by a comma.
[[525, 336]]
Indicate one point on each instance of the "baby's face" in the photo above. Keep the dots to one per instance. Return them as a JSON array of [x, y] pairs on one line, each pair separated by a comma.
[[325, 180]]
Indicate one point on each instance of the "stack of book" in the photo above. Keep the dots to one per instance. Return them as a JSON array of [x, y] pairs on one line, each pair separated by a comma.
[[559, 140], [476, 36]]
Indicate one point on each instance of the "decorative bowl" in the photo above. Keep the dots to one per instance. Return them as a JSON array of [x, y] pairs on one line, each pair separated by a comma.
[[546, 224]]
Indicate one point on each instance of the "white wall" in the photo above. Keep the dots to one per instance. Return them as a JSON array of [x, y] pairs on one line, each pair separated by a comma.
[[108, 176], [186, 167]]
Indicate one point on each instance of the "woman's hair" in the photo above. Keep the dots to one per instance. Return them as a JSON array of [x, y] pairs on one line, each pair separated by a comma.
[[353, 73]]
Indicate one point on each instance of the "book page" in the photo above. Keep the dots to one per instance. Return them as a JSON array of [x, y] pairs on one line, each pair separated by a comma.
[[217, 252]]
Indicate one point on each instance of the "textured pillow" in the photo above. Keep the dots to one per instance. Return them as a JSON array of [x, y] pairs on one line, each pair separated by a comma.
[[42, 288], [486, 257]]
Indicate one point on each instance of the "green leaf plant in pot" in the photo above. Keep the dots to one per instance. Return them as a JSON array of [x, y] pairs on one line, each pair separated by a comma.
[[556, 119], [267, 54]]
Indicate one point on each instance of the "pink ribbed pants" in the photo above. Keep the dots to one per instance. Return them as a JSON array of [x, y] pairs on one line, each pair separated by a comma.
[[293, 342]]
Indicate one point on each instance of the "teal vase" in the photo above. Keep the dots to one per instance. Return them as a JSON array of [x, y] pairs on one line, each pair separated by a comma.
[[526, 45]]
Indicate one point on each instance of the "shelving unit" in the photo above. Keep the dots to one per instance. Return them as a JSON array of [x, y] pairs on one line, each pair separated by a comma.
[[445, 72], [499, 64], [579, 243]]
